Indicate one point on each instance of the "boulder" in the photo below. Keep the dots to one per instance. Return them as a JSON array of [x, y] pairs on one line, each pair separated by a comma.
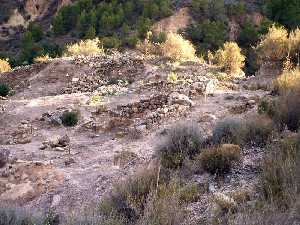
[[181, 99]]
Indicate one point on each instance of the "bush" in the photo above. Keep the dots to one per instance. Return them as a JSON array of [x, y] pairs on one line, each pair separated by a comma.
[[111, 42], [258, 131], [182, 141], [42, 58], [229, 130], [219, 160], [287, 111], [128, 199], [274, 45], [177, 48], [70, 119], [86, 48], [280, 172], [287, 82], [230, 58], [4, 90], [4, 66]]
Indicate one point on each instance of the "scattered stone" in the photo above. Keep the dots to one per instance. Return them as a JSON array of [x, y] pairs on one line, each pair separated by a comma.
[[181, 99]]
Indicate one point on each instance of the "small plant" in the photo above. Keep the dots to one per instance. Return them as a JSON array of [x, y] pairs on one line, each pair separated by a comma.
[[172, 78], [230, 58], [219, 160], [42, 58], [287, 82], [4, 66], [70, 118], [182, 141], [4, 90], [229, 130], [258, 130], [85, 47], [177, 48], [287, 111], [128, 199], [280, 172]]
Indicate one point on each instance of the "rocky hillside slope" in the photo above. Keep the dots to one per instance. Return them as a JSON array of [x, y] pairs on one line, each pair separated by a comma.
[[126, 103]]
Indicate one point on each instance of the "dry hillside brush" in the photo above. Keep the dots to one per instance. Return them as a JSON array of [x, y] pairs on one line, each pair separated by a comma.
[[85, 48], [4, 66]]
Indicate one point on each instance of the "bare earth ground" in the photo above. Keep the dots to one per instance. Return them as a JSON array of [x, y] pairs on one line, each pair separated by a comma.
[[70, 178]]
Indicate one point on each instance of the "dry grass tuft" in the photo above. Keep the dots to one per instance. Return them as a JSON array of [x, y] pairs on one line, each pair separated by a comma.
[[4, 66], [177, 48], [85, 47]]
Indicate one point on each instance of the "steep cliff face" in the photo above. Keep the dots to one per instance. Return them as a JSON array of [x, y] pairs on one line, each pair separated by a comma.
[[16, 14]]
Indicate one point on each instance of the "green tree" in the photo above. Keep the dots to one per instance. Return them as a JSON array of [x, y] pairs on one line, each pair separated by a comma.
[[90, 33], [285, 12]]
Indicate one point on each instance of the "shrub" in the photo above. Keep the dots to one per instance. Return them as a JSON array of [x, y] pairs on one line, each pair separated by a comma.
[[287, 82], [229, 130], [43, 58], [258, 130], [274, 45], [111, 42], [128, 199], [230, 58], [70, 119], [182, 141], [86, 47], [177, 48], [287, 111], [219, 160], [4, 66], [4, 90], [280, 172]]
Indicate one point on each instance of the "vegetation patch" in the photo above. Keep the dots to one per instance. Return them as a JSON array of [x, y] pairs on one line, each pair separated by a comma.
[[4, 90], [182, 141], [70, 118], [219, 160]]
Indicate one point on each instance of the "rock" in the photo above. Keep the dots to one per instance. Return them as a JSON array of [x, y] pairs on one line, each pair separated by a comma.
[[4, 154], [251, 102], [69, 161], [224, 201], [181, 99], [64, 141], [210, 86], [59, 149]]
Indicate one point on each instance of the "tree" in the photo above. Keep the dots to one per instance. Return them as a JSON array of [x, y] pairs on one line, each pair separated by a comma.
[[285, 12]]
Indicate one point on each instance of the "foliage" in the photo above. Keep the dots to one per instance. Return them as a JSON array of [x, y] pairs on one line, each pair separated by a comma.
[[177, 48], [211, 9], [84, 47], [182, 141], [70, 119], [287, 82], [42, 58], [228, 130], [111, 42], [4, 89], [230, 58], [280, 172], [285, 12], [219, 160], [258, 131], [274, 45], [208, 35], [4, 66], [249, 34]]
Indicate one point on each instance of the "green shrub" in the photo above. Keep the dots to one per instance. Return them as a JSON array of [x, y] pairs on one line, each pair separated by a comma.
[[4, 90], [182, 141], [70, 118], [111, 42], [219, 160], [229, 130]]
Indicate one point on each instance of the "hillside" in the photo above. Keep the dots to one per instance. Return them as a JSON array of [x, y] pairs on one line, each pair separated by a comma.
[[149, 112]]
